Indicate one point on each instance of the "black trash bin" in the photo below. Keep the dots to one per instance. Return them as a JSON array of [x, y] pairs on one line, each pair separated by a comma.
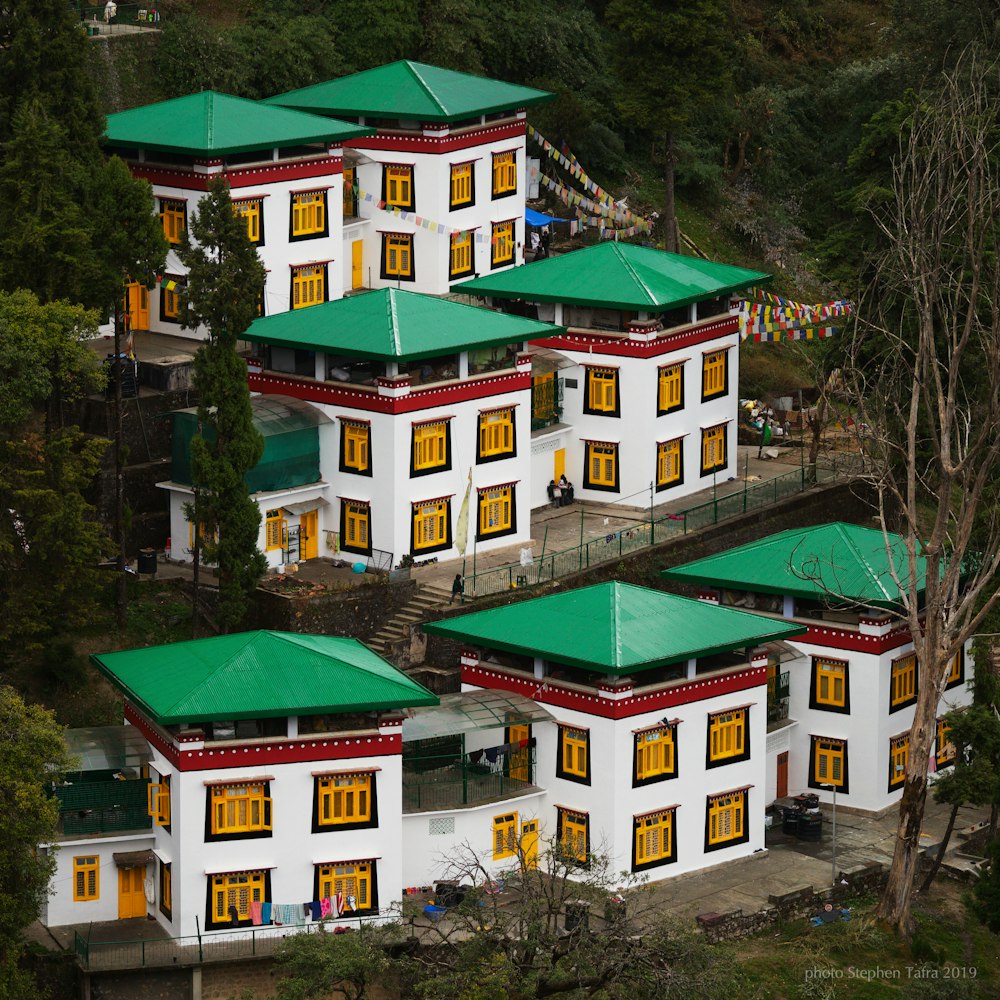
[[790, 821], [810, 826], [147, 561], [577, 916]]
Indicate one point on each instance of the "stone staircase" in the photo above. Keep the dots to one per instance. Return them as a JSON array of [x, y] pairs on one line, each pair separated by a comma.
[[426, 600]]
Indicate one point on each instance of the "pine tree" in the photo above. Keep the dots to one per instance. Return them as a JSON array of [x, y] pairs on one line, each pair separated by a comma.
[[225, 278]]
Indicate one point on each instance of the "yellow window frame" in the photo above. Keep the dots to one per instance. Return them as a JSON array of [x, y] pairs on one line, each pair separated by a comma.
[[946, 750], [86, 878], [899, 753], [602, 461], [670, 386], [171, 302], [954, 669], [430, 525], [205, 537], [238, 889], [495, 510], [502, 243], [351, 881], [655, 753], [574, 751], [903, 680], [602, 390], [356, 445], [166, 888], [343, 799], [727, 734], [668, 462], [831, 682], [308, 286], [461, 253], [172, 213], [654, 837], [496, 433], [504, 836], [357, 525], [575, 830], [240, 808], [275, 530], [399, 185], [504, 173], [349, 199], [713, 374], [430, 445], [726, 817], [250, 210], [829, 757], [713, 448], [308, 213], [398, 255], [461, 185], [158, 801]]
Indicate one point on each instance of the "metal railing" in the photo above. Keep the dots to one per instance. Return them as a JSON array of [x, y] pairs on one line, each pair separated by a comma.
[[194, 949], [778, 689], [103, 806], [644, 534], [127, 15], [546, 402]]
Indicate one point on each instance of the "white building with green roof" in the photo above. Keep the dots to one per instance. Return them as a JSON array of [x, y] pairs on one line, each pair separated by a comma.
[[649, 371], [852, 689]]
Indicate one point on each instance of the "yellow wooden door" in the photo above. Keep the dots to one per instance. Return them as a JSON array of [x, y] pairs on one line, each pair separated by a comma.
[[519, 758], [137, 305], [131, 895], [529, 843], [309, 535], [559, 465], [357, 273]]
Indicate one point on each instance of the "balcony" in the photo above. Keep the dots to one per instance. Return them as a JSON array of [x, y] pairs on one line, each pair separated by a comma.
[[102, 806], [777, 698], [546, 401]]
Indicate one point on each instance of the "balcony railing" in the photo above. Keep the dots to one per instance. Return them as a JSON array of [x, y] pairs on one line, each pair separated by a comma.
[[448, 781], [103, 806], [546, 402], [777, 697]]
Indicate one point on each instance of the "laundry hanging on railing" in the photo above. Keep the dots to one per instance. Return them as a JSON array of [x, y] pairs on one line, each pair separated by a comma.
[[769, 318]]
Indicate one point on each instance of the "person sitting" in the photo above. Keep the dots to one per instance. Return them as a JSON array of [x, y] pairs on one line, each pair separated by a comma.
[[556, 495], [550, 489], [827, 915]]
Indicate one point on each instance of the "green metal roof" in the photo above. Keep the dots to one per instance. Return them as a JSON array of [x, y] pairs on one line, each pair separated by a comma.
[[411, 90], [837, 562], [614, 628], [256, 675], [393, 323], [215, 123], [617, 276]]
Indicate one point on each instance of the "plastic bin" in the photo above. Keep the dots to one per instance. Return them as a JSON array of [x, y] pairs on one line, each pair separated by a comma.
[[147, 561]]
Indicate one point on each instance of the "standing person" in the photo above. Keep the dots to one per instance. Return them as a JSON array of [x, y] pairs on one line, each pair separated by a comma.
[[110, 9], [457, 588]]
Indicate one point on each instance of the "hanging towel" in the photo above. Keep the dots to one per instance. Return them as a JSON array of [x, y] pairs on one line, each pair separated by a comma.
[[325, 906], [316, 908], [491, 755], [265, 913], [255, 912], [338, 902]]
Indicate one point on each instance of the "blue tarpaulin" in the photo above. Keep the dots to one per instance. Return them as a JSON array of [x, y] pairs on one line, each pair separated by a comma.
[[533, 218]]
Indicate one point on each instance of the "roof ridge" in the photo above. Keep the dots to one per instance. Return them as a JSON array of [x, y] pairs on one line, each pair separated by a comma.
[[616, 634], [632, 271], [210, 675], [412, 68], [858, 555], [210, 119], [393, 317]]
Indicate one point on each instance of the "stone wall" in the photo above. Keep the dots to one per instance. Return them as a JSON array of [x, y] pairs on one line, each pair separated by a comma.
[[235, 980], [150, 984]]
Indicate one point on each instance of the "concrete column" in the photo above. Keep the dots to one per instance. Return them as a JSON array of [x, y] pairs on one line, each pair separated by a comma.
[[788, 606], [558, 317], [463, 364], [539, 669], [196, 982], [692, 668], [293, 726], [320, 370]]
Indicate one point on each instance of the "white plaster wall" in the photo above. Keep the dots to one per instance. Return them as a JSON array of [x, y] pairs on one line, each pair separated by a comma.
[[778, 741]]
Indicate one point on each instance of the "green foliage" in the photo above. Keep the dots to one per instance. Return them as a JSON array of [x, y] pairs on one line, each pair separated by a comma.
[[34, 754], [975, 776], [985, 899]]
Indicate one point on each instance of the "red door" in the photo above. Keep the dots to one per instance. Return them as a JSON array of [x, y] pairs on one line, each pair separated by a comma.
[[782, 775]]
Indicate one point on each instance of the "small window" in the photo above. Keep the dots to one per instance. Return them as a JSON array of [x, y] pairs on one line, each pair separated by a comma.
[[355, 527], [829, 690], [230, 896], [946, 752], [956, 670], [461, 255], [275, 530], [158, 801], [462, 185], [252, 213], [345, 802], [574, 755], [397, 256], [502, 244], [355, 447], [308, 215], [727, 737], [350, 197], [496, 435], [713, 449], [308, 285], [86, 878], [353, 883], [601, 466], [829, 763], [430, 450], [206, 537], [504, 174], [669, 463], [397, 185], [715, 375], [726, 822], [166, 890], [239, 810], [903, 682], [573, 835], [431, 526], [602, 391], [504, 836], [654, 840], [655, 755], [173, 214], [670, 390], [171, 289], [496, 512], [899, 752]]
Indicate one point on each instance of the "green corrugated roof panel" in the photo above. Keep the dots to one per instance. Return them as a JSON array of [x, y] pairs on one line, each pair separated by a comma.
[[393, 323], [617, 276], [256, 675], [411, 90], [214, 123], [836, 562], [614, 628]]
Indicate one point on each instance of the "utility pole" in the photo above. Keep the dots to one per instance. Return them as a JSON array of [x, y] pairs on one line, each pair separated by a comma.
[[121, 584]]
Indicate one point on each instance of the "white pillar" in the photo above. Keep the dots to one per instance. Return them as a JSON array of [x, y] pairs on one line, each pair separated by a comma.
[[320, 370], [692, 668], [539, 668], [463, 364], [788, 606]]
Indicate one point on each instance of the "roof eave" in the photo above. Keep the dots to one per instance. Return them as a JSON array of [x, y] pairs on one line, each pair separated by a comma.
[[422, 116], [332, 140]]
